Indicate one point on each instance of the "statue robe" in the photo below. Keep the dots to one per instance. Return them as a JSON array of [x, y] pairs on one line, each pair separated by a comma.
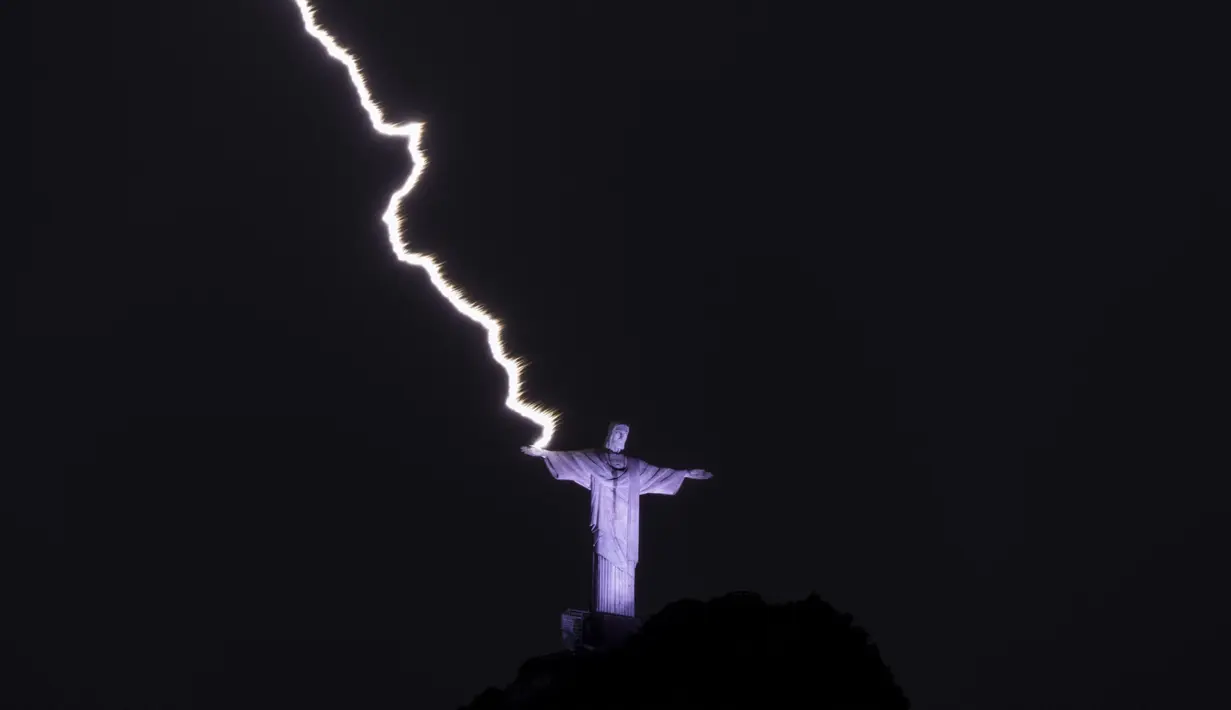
[[615, 515]]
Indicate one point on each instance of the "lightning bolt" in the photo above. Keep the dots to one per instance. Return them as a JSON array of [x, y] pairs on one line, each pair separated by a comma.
[[412, 133]]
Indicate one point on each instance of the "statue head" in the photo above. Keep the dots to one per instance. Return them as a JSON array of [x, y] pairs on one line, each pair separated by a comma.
[[617, 435]]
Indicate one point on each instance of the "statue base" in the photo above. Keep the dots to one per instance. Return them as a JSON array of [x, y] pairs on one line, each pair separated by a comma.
[[592, 630]]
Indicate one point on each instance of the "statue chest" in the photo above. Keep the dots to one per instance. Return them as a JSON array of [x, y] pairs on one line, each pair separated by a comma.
[[616, 490]]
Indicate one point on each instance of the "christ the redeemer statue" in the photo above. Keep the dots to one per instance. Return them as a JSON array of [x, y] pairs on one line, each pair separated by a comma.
[[616, 483]]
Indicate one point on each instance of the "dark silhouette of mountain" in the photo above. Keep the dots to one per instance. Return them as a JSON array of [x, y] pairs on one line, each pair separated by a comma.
[[735, 651]]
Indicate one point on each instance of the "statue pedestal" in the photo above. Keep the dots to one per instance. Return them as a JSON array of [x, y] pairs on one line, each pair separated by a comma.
[[593, 630]]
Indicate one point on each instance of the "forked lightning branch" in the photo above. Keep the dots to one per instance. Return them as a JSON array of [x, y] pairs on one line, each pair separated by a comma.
[[412, 133]]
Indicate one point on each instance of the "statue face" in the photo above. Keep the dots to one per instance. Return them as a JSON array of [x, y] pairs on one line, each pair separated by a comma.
[[617, 435]]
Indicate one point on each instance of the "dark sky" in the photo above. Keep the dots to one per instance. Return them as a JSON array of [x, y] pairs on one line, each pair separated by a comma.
[[935, 297]]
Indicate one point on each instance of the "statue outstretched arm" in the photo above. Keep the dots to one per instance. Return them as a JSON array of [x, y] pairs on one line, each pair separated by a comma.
[[667, 481], [575, 466]]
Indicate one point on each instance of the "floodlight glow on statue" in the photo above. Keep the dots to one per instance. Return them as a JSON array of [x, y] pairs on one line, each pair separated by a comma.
[[412, 132], [616, 483]]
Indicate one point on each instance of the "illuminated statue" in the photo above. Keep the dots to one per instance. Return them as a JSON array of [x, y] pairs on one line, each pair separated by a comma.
[[616, 483]]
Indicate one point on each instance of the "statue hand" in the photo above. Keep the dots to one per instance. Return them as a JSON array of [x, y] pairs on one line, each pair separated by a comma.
[[698, 474], [533, 451]]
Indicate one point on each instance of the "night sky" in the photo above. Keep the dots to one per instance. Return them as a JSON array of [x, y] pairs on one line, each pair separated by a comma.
[[934, 297]]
